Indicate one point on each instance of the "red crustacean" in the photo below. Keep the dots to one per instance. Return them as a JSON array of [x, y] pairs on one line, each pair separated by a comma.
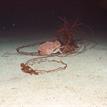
[[49, 47], [64, 42]]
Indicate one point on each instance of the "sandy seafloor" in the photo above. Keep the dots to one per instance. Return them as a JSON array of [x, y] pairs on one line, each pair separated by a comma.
[[82, 84]]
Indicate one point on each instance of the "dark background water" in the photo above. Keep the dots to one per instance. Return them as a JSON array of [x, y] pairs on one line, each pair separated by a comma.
[[42, 15]]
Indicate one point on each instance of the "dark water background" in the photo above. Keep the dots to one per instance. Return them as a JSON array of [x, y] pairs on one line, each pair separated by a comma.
[[33, 17]]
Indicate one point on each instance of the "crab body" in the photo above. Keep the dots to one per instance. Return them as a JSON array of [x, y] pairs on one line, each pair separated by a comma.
[[49, 47]]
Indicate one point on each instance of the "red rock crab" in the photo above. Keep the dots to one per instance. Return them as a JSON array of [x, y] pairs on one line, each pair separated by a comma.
[[64, 42], [49, 48]]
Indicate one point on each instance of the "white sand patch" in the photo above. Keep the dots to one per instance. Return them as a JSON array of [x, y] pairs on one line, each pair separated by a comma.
[[82, 84]]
